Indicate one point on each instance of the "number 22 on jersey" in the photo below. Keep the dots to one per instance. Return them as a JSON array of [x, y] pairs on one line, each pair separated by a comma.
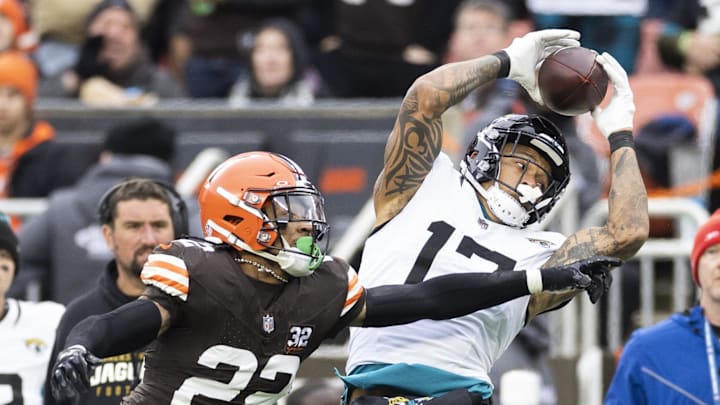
[[247, 364]]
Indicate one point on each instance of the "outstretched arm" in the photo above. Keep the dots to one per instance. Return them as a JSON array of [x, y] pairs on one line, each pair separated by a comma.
[[628, 225], [127, 328], [456, 295], [416, 137]]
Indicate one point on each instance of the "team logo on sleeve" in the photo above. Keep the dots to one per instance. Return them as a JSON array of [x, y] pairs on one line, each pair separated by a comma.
[[298, 338], [36, 345], [268, 324]]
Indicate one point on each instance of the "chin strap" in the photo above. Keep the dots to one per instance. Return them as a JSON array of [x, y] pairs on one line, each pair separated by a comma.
[[504, 206]]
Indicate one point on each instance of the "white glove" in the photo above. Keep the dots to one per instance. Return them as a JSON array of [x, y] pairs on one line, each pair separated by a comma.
[[619, 113], [526, 52]]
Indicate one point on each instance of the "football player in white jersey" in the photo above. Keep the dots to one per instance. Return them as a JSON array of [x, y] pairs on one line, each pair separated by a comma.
[[27, 331], [434, 220]]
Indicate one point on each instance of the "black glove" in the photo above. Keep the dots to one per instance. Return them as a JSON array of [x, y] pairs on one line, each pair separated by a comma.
[[600, 285], [71, 374], [578, 275], [88, 64]]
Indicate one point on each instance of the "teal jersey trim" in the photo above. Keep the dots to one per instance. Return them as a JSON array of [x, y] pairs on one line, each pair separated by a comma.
[[413, 378]]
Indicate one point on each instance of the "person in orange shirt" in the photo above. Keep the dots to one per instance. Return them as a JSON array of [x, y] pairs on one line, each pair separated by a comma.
[[29, 157], [19, 133], [14, 31]]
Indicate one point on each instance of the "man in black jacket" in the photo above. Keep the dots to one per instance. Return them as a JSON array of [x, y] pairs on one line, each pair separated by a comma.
[[136, 215]]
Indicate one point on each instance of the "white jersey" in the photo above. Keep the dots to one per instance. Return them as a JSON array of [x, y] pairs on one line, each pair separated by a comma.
[[443, 230], [27, 333]]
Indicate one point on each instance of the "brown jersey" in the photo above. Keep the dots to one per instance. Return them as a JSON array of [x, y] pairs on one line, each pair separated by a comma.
[[233, 339]]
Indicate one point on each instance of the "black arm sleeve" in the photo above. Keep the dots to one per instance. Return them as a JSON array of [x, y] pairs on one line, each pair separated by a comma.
[[442, 297], [127, 328]]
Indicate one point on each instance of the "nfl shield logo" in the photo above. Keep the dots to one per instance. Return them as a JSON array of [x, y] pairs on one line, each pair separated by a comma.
[[268, 324]]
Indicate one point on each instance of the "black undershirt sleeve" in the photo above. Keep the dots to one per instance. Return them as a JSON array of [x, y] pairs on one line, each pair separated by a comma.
[[127, 328], [442, 297]]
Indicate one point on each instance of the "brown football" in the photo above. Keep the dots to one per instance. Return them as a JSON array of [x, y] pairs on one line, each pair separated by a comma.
[[571, 82]]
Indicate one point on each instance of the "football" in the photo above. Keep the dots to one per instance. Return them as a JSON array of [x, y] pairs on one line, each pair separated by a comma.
[[571, 82]]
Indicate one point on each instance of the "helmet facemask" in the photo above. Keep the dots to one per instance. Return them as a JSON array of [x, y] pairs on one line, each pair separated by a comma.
[[518, 204], [285, 207], [254, 200]]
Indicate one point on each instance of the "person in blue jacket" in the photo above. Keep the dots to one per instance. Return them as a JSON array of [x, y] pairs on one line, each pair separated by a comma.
[[676, 361]]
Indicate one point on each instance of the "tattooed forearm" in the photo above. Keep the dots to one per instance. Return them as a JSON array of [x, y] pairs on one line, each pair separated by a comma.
[[628, 222], [625, 232], [412, 156], [578, 246], [457, 80]]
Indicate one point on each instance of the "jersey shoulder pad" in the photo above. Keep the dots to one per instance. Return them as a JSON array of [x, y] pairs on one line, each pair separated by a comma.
[[166, 267]]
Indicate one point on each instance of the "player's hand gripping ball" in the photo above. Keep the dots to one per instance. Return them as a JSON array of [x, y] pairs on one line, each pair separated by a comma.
[[571, 81]]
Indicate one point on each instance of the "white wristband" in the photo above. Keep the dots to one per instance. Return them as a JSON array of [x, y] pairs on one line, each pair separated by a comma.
[[534, 281]]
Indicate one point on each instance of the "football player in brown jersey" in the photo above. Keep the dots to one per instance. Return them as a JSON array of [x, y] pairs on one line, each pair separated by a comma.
[[229, 318]]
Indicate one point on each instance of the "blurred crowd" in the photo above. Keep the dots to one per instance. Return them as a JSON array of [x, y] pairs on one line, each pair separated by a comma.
[[134, 53]]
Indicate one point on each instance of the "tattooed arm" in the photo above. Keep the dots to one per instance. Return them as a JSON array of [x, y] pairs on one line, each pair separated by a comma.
[[622, 236], [416, 138], [628, 224]]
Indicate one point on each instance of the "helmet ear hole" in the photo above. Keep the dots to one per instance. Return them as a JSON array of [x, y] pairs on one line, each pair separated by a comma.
[[232, 219]]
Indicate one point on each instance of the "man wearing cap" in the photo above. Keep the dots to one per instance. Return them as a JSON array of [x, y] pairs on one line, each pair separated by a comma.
[[27, 332], [676, 361]]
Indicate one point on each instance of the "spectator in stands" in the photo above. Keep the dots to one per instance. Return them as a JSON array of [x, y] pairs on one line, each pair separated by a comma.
[[27, 330], [378, 48], [676, 361], [690, 41], [315, 393], [60, 25], [14, 31], [209, 48], [482, 27], [136, 215], [63, 246], [279, 67], [20, 133], [29, 156], [113, 66]]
